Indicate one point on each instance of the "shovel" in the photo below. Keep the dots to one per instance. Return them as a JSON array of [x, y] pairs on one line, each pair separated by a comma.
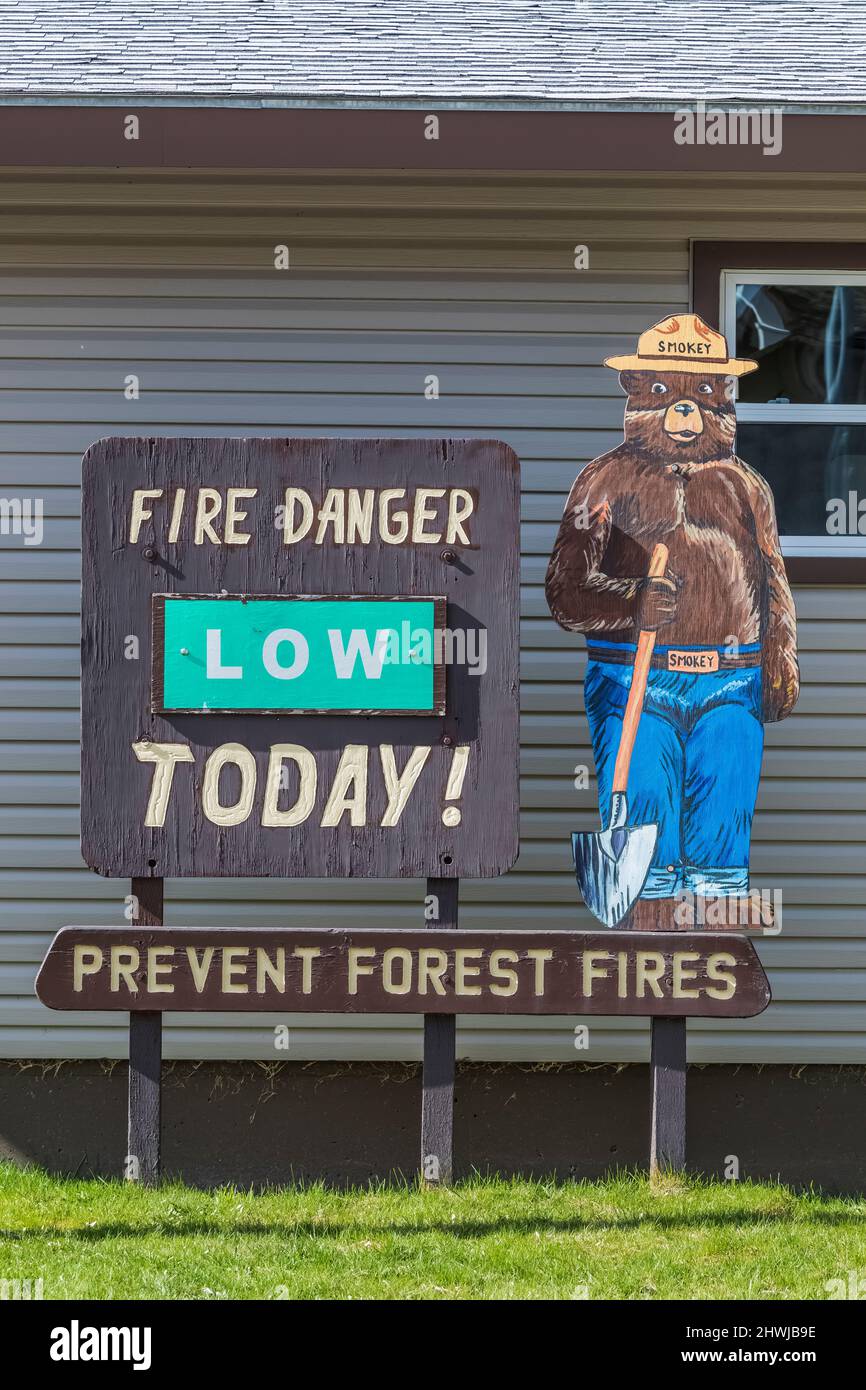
[[612, 865]]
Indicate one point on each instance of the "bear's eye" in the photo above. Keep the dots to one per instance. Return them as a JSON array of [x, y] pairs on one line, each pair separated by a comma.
[[705, 388], [658, 388]]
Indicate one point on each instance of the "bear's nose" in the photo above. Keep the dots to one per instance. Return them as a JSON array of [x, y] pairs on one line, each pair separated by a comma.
[[684, 408]]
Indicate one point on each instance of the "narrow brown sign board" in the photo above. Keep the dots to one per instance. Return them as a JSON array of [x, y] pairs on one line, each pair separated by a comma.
[[397, 971], [258, 792]]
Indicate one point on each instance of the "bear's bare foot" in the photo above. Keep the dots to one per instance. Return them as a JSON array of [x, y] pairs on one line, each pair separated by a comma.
[[743, 912]]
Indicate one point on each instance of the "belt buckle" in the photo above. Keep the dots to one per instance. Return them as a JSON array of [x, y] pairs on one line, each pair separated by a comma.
[[693, 663]]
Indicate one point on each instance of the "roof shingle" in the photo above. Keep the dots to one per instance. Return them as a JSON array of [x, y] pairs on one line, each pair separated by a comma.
[[469, 52]]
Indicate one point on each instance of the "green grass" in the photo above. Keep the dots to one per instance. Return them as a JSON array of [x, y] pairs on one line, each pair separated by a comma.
[[623, 1238]]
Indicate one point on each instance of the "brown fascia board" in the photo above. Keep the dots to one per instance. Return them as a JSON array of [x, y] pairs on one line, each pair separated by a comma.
[[208, 137]]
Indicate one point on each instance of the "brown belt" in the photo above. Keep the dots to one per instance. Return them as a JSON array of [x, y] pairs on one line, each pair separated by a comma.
[[690, 663]]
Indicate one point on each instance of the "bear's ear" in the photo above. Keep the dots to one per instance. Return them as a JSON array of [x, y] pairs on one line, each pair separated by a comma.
[[632, 382]]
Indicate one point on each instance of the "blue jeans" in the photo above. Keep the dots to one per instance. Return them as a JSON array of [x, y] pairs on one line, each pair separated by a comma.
[[694, 771]]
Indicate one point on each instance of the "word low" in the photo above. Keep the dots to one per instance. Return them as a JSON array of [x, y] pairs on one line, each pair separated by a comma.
[[389, 647]]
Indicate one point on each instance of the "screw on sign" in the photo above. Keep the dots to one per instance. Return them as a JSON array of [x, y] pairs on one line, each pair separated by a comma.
[[327, 686]]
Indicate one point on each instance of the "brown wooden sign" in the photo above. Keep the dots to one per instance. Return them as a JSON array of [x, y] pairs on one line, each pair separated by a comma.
[[331, 970], [359, 719]]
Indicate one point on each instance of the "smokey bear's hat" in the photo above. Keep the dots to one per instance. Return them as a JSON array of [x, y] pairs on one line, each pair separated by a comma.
[[682, 343]]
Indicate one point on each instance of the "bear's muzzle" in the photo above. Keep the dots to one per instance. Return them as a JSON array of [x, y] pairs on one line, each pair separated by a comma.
[[683, 421]]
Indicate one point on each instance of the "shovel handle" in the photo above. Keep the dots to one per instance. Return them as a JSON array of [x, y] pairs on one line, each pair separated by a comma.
[[645, 643]]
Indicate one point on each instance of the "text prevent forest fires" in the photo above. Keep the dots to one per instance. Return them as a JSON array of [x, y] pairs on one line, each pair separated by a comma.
[[401, 970]]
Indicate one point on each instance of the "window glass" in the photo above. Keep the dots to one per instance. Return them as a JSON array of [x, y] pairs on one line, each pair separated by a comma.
[[809, 342], [813, 470]]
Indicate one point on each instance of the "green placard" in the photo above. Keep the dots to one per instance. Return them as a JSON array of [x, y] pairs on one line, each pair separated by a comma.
[[297, 653]]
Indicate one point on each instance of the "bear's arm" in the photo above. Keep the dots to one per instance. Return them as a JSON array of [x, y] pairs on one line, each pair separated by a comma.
[[580, 597], [781, 683]]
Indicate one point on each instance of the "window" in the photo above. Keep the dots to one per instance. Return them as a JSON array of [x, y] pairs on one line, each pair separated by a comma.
[[802, 415]]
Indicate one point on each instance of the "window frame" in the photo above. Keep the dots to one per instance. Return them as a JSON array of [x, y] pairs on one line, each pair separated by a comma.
[[709, 261], [770, 412]]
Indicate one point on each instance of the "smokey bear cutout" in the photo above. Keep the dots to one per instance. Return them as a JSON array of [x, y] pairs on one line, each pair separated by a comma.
[[667, 559]]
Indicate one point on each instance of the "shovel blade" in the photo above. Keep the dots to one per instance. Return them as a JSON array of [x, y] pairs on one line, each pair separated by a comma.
[[611, 868]]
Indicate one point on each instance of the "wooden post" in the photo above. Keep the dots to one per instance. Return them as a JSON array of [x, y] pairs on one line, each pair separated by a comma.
[[668, 1071], [145, 1060], [437, 1078]]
